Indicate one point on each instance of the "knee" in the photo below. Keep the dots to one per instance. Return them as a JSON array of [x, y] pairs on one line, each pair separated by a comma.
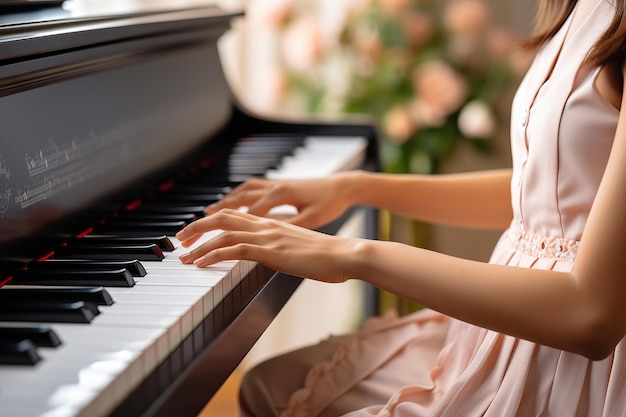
[[254, 396]]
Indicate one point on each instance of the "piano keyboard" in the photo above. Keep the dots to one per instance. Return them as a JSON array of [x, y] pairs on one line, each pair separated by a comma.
[[99, 362]]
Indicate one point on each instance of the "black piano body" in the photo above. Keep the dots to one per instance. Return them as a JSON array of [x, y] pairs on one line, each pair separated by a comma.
[[102, 108]]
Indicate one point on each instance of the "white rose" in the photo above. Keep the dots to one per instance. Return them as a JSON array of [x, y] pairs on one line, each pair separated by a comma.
[[476, 120]]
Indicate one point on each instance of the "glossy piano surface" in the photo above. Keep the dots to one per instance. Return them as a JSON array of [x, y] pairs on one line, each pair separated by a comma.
[[117, 122]]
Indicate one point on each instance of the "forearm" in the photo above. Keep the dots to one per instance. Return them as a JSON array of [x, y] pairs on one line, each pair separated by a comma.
[[474, 200], [546, 307]]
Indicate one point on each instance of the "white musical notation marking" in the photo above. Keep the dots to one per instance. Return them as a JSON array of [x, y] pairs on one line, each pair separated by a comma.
[[5, 191]]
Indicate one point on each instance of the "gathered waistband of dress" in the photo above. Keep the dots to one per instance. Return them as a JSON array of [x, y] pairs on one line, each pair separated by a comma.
[[540, 246]]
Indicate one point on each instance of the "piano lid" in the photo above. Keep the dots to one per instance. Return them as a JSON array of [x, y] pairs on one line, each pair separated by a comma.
[[84, 23], [99, 102]]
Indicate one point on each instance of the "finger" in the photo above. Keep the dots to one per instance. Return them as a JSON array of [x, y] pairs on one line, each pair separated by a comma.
[[189, 242], [305, 218], [235, 200], [225, 219], [225, 240], [277, 195], [265, 205], [253, 183], [235, 252]]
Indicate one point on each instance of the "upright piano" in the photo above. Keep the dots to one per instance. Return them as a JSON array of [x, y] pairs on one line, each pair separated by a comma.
[[117, 126]]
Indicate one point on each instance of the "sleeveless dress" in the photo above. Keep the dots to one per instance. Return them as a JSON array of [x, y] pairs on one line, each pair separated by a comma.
[[428, 364]]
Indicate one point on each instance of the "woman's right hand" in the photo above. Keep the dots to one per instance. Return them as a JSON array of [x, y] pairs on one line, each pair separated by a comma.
[[317, 201]]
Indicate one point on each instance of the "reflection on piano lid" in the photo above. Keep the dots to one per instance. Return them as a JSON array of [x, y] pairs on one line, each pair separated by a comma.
[[118, 127]]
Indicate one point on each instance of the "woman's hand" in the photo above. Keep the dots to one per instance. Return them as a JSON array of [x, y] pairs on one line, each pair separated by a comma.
[[318, 201], [279, 245]]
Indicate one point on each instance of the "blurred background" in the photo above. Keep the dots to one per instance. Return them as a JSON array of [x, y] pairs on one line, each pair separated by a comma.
[[436, 76]]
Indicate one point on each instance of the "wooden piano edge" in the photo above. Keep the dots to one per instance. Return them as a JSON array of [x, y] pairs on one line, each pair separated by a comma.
[[194, 372]]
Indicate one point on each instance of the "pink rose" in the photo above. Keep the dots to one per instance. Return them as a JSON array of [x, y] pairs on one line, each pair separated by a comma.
[[398, 124], [394, 7], [369, 44], [302, 44], [500, 43], [466, 17], [439, 87], [426, 114], [418, 28]]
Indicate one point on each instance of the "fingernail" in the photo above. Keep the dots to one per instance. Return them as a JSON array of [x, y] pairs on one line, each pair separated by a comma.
[[184, 257], [200, 261]]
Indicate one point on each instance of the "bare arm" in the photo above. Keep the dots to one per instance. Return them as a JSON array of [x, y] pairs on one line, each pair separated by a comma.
[[474, 200]]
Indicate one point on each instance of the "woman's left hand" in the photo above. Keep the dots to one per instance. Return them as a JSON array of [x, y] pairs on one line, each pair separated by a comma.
[[281, 246]]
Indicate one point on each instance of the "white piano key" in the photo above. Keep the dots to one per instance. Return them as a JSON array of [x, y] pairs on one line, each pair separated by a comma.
[[322, 156], [91, 361], [138, 291]]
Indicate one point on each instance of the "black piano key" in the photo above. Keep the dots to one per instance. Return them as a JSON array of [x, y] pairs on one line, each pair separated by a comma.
[[7, 266], [225, 165], [252, 169], [183, 198], [271, 140], [133, 266], [47, 312], [219, 180], [162, 241], [42, 336], [169, 207], [273, 148], [255, 159], [139, 227], [140, 252], [135, 215], [188, 188], [221, 177], [107, 278], [18, 353], [95, 295]]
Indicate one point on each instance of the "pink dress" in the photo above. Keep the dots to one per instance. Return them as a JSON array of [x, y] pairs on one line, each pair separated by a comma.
[[427, 364]]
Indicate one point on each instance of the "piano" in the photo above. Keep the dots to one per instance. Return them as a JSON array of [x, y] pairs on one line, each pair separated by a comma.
[[117, 127]]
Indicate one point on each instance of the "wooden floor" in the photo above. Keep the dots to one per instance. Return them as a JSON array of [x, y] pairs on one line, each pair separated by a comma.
[[224, 402]]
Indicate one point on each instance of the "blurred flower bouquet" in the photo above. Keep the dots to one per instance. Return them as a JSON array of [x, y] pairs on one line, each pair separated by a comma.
[[431, 73]]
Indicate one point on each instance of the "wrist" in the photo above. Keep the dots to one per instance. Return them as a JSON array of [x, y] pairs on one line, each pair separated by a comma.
[[357, 259], [352, 185]]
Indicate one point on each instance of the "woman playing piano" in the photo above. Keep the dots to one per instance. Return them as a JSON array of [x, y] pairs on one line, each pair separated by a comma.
[[537, 331]]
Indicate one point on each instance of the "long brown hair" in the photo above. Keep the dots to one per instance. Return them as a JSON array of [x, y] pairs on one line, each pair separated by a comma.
[[609, 49]]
